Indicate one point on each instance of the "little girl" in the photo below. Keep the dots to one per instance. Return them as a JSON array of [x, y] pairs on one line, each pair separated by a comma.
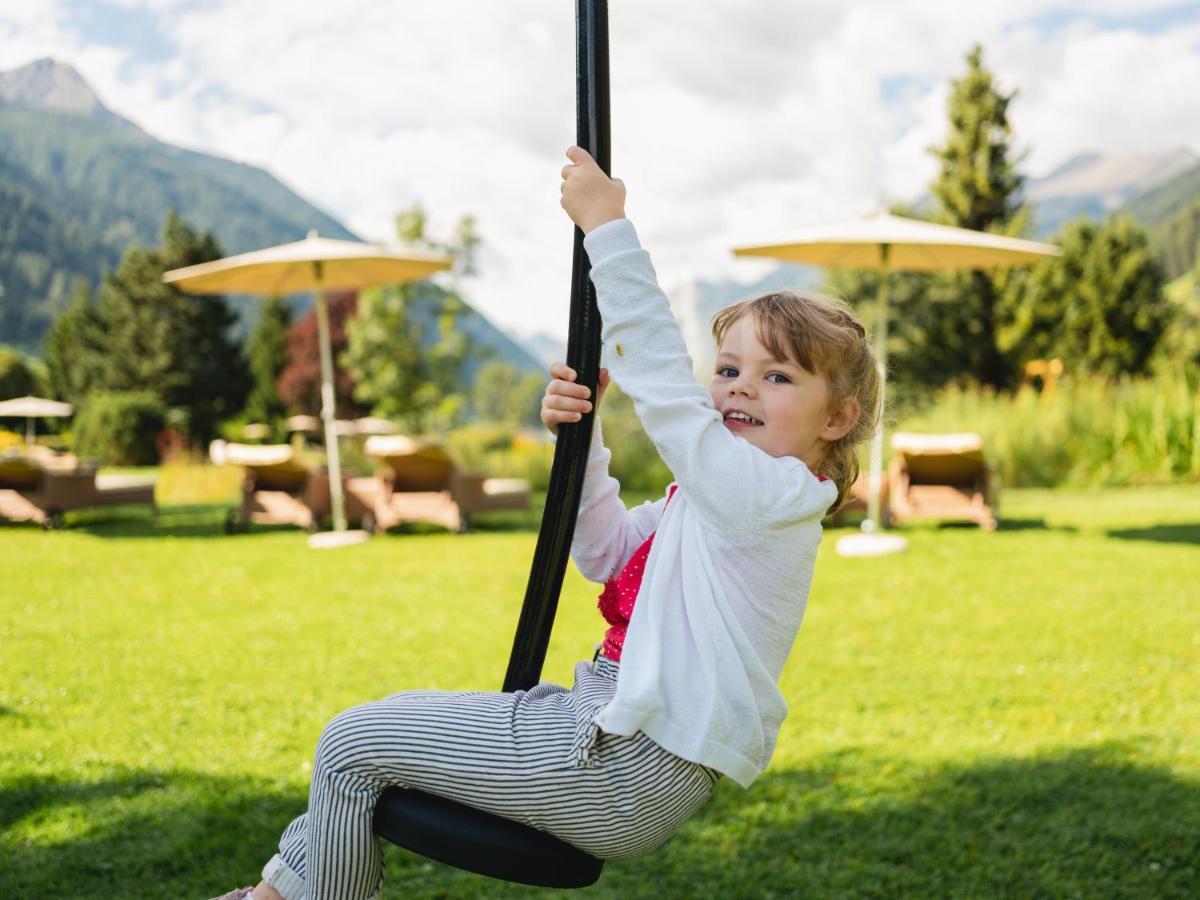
[[704, 588]]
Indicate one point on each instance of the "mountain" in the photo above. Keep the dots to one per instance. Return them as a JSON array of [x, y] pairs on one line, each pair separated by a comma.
[[1094, 186], [1171, 213], [544, 347], [1160, 190], [494, 343], [79, 183], [46, 84]]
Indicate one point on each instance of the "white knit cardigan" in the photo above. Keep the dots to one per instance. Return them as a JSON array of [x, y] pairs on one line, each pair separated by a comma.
[[727, 579]]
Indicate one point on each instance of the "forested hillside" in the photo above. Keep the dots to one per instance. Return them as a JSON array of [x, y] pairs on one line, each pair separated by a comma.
[[77, 188], [1171, 214]]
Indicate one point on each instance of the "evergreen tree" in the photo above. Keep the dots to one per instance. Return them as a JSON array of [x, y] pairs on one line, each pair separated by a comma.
[[1101, 305], [142, 335], [978, 187], [268, 353], [75, 348]]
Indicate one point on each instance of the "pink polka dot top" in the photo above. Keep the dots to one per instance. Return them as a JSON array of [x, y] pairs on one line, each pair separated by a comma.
[[620, 592]]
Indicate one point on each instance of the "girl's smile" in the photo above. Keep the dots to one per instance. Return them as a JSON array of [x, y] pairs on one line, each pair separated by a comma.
[[736, 419]]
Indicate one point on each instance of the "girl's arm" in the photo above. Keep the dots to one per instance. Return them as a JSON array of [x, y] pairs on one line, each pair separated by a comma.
[[734, 486], [606, 534], [736, 489]]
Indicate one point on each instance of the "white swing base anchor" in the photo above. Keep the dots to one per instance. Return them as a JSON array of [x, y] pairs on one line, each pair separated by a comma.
[[328, 540], [874, 543]]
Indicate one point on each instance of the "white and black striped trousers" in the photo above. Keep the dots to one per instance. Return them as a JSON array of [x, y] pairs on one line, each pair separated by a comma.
[[534, 756]]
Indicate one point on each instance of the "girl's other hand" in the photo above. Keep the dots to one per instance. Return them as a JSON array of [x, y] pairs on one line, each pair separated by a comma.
[[589, 196], [566, 401]]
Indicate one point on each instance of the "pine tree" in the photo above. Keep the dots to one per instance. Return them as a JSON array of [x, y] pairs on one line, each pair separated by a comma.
[[978, 187], [75, 348], [139, 334], [267, 349]]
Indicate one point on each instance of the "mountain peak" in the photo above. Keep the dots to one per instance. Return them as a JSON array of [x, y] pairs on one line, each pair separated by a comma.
[[1113, 178], [50, 84]]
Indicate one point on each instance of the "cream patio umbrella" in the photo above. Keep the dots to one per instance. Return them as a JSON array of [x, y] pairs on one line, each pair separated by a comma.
[[895, 243], [315, 264], [30, 408]]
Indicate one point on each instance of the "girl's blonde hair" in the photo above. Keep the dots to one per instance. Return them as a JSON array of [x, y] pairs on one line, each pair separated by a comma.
[[825, 337]]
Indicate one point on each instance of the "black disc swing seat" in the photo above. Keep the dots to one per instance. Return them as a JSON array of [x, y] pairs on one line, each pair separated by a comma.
[[433, 826]]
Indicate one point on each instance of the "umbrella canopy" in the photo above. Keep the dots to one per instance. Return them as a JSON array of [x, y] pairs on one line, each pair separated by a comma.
[[35, 407], [911, 246], [314, 264], [886, 242], [30, 408]]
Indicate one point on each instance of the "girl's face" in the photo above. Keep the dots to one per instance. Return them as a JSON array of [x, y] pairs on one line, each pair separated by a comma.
[[777, 405]]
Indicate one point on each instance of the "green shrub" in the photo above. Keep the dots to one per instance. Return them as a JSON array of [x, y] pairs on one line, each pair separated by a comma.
[[501, 450], [120, 428], [18, 375], [504, 452], [1087, 432]]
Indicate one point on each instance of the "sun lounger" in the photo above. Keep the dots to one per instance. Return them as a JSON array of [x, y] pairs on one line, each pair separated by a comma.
[[940, 476], [419, 482], [43, 487], [279, 488]]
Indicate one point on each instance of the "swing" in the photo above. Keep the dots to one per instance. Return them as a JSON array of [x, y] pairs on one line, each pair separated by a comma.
[[441, 829]]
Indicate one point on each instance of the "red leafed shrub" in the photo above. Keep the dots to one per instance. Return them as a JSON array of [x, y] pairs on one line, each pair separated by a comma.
[[299, 383]]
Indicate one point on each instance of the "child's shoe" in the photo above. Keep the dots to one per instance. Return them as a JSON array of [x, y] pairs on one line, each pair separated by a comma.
[[245, 893]]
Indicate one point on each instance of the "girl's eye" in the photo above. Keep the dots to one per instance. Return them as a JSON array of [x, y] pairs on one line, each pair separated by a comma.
[[782, 379], [727, 372]]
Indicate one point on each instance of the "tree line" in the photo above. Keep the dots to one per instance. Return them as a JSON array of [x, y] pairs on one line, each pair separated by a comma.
[[137, 351], [141, 360], [1099, 307]]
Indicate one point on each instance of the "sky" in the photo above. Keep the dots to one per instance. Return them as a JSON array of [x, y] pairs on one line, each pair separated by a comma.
[[733, 121]]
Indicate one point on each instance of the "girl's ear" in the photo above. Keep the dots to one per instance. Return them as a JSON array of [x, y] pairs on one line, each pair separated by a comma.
[[841, 421]]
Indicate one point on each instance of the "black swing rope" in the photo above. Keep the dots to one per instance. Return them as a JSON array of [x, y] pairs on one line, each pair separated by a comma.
[[433, 826], [583, 355]]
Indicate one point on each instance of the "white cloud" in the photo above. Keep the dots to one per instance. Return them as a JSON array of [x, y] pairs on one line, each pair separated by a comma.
[[732, 122], [1113, 91]]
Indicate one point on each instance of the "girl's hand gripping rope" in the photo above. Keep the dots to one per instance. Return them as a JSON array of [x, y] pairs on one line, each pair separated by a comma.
[[566, 401], [589, 196]]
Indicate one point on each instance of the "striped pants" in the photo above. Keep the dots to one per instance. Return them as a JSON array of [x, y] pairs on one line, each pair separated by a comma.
[[534, 756]]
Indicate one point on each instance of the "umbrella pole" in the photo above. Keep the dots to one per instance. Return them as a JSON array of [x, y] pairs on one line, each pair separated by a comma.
[[328, 410], [875, 482], [29, 431]]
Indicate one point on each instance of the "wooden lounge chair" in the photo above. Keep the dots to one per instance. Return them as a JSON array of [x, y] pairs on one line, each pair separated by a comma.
[[279, 488], [419, 482], [43, 487], [940, 476]]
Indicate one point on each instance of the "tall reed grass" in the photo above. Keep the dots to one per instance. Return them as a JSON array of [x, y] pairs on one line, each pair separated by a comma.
[[1086, 432], [189, 479]]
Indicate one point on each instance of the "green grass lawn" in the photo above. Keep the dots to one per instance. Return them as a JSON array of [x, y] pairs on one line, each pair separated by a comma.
[[1014, 714]]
